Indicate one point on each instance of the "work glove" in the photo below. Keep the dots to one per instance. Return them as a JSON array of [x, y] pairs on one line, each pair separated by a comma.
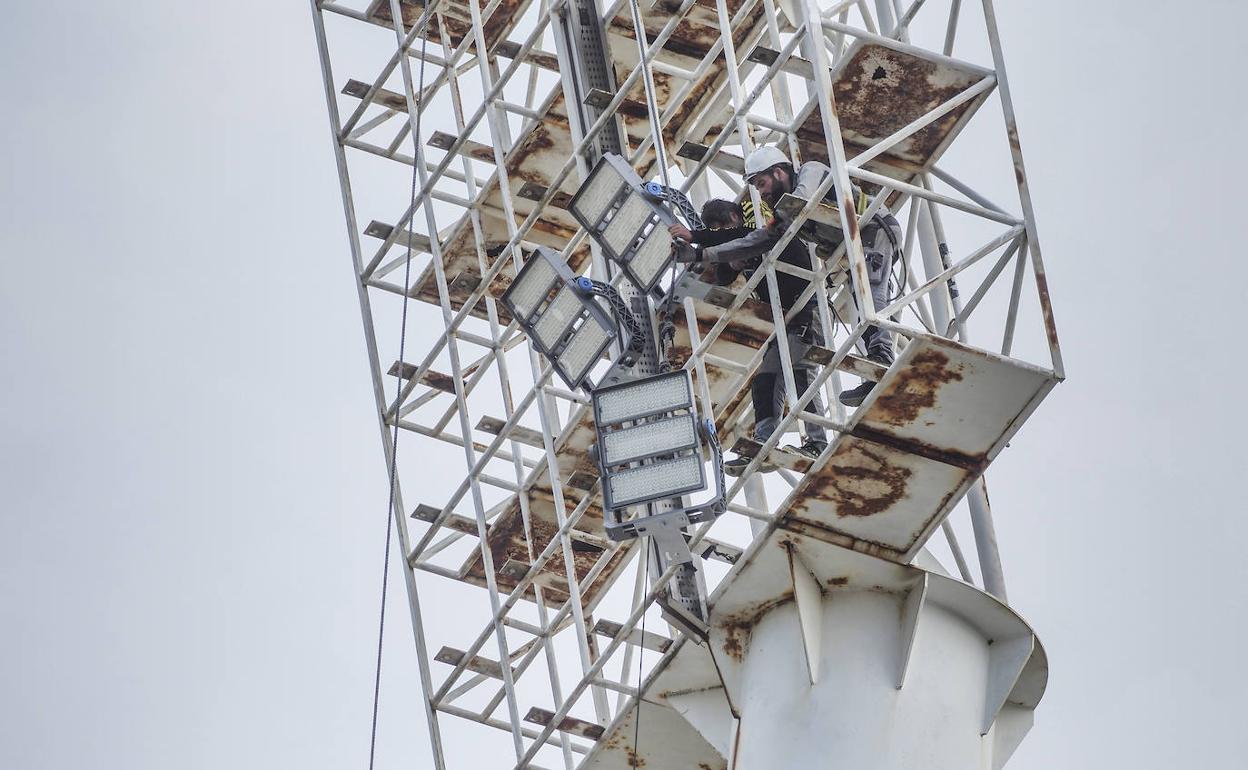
[[686, 253]]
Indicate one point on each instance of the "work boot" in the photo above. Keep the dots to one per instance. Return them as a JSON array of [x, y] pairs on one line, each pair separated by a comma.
[[855, 396], [736, 466], [812, 448]]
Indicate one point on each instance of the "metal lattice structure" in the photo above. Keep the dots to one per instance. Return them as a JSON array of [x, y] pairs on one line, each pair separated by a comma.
[[538, 638]]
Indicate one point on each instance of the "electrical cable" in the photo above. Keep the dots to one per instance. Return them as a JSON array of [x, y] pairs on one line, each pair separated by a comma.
[[667, 330], [641, 653], [394, 441], [623, 315]]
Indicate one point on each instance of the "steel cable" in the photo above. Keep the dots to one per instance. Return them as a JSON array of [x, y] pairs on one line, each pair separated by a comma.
[[394, 440]]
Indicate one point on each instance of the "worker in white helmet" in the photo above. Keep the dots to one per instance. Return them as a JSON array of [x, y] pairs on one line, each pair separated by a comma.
[[771, 172]]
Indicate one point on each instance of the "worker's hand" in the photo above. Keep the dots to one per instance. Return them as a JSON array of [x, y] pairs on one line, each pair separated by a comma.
[[680, 231], [685, 252]]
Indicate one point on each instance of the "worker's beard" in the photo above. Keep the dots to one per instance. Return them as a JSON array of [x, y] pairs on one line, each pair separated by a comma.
[[779, 190]]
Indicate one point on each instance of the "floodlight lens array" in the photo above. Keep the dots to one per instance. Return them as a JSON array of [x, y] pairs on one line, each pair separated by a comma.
[[652, 257], [622, 230], [531, 287], [599, 193], [656, 481], [557, 317], [583, 350], [649, 439], [651, 396]]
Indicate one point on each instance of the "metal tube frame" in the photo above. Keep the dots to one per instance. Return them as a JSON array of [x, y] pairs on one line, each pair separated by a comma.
[[822, 35]]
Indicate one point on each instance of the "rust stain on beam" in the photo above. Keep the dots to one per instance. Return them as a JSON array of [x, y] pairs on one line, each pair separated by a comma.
[[474, 150], [571, 725], [391, 100], [649, 640], [434, 379], [477, 664], [428, 513], [527, 436]]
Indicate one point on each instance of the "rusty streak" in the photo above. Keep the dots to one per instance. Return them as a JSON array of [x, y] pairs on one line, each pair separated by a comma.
[[974, 463]]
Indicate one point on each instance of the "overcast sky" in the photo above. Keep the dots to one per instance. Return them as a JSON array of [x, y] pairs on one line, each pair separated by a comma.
[[192, 487]]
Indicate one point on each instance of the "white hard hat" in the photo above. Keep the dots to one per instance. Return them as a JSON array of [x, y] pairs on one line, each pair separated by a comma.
[[763, 158]]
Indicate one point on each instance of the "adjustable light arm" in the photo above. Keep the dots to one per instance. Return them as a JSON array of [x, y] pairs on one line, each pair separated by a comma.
[[677, 199], [623, 316]]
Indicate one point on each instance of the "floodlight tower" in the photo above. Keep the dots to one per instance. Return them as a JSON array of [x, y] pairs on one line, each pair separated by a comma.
[[524, 160]]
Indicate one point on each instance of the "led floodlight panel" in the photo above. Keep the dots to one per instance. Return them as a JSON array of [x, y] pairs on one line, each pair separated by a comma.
[[568, 328], [643, 398], [648, 440], [628, 223], [657, 481]]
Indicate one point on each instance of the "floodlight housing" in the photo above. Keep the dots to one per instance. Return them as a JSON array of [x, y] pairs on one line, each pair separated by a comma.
[[628, 222], [651, 446], [566, 324]]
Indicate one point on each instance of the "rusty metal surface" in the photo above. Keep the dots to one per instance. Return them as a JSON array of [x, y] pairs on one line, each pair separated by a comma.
[[506, 535], [572, 453], [647, 639], [535, 159], [762, 581], [428, 513], [929, 429], [748, 447], [878, 91], [876, 499], [696, 33], [391, 100], [528, 436], [507, 542], [851, 364], [474, 150], [478, 663], [570, 725], [458, 18], [950, 398]]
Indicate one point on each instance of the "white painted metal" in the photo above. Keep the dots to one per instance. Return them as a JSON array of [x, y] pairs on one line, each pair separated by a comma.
[[507, 551]]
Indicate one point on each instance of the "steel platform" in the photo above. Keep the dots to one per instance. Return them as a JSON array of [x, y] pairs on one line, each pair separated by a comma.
[[928, 430]]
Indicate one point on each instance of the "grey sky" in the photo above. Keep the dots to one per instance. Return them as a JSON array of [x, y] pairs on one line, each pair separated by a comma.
[[193, 491]]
